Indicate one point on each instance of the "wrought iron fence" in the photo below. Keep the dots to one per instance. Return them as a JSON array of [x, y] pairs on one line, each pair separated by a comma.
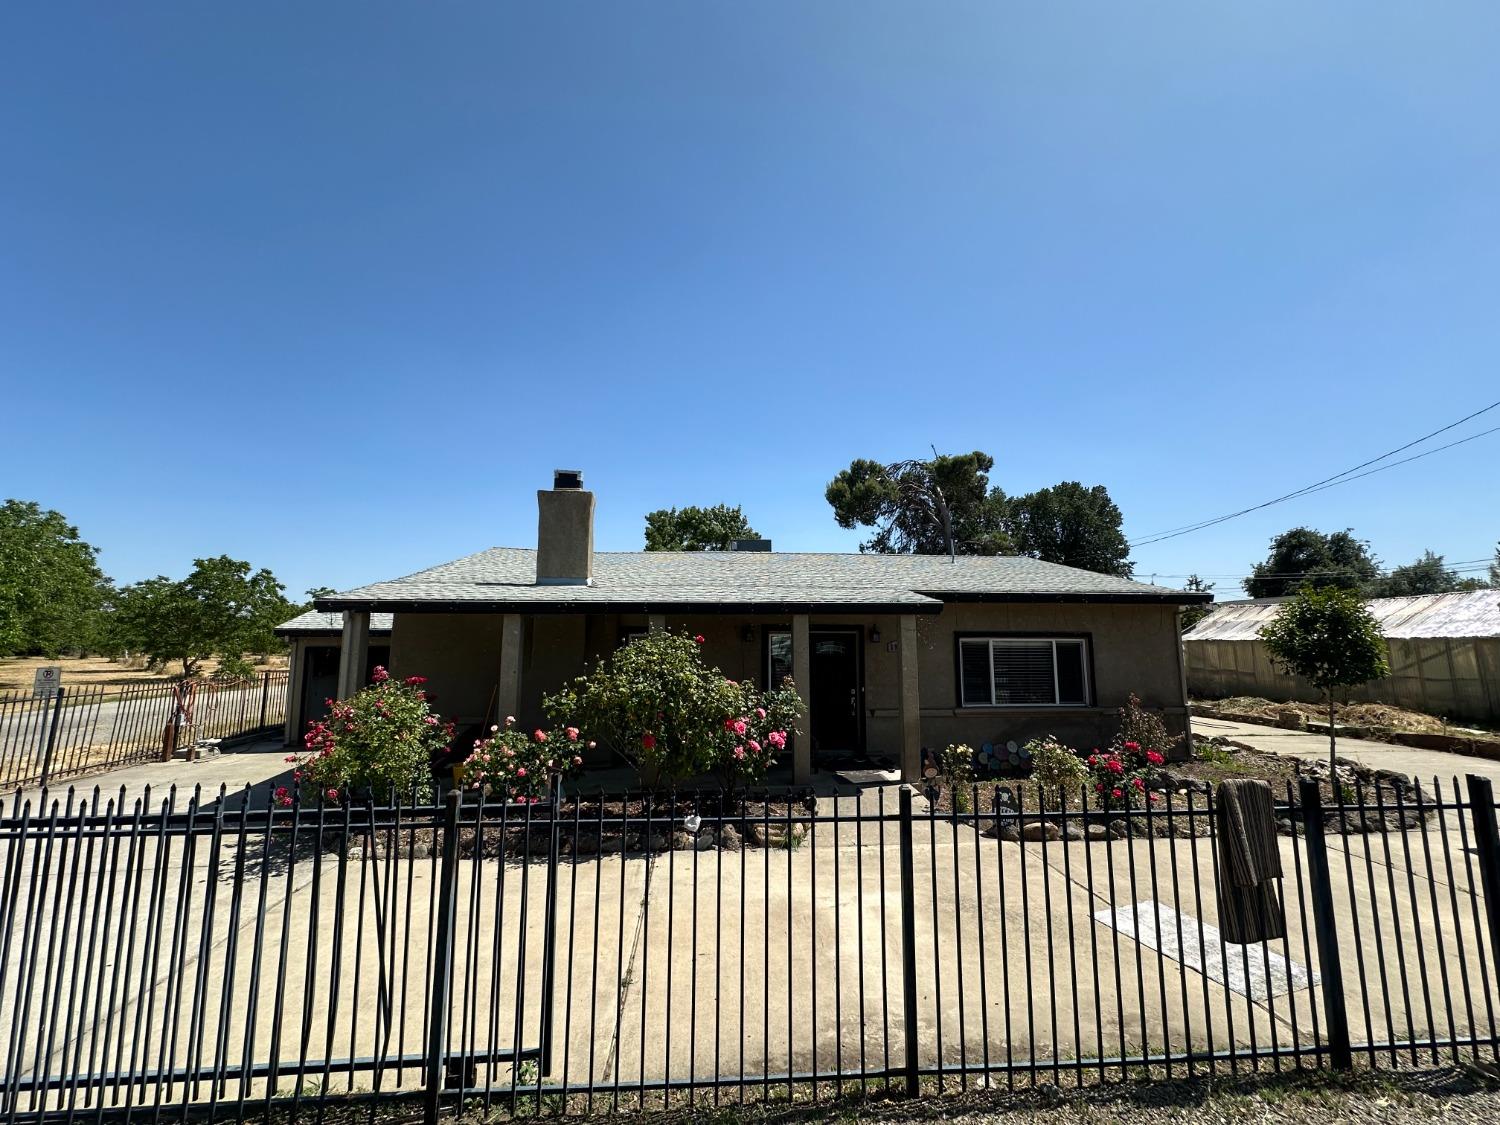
[[645, 952], [83, 730]]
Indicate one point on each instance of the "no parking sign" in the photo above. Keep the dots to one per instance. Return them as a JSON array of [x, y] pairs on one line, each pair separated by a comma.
[[48, 680]]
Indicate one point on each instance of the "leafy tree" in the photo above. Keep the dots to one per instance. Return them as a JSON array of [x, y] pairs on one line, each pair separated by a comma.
[[52, 592], [696, 529], [1495, 569], [1328, 637], [317, 592], [1427, 575], [1193, 614], [1072, 525], [1305, 557], [221, 607], [924, 507]]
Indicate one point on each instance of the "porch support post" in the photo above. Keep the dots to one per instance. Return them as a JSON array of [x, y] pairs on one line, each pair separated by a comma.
[[802, 677], [354, 652], [508, 698], [295, 659], [911, 702]]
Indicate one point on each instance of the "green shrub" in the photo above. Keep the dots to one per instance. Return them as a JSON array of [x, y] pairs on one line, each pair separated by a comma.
[[956, 764], [658, 704], [381, 741], [521, 767], [1055, 766], [1144, 728]]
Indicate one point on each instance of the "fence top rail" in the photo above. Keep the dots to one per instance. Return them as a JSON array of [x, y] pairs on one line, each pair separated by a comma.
[[198, 810]]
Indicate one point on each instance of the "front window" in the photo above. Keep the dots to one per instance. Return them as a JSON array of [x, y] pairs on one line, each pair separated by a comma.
[[1023, 672], [778, 657]]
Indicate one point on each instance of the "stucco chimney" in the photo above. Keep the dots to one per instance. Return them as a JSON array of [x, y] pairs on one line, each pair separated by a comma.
[[565, 532]]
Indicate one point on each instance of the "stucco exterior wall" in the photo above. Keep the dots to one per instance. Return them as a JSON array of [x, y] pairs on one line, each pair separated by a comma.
[[459, 653], [1132, 649]]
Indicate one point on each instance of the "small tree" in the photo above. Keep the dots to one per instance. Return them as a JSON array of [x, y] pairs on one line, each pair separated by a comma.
[[221, 607], [1331, 640]]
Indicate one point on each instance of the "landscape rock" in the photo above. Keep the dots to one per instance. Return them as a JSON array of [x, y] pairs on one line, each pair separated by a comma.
[[1041, 830], [729, 838], [1289, 718]]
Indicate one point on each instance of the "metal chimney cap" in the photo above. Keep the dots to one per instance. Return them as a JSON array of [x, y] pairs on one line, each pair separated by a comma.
[[567, 479]]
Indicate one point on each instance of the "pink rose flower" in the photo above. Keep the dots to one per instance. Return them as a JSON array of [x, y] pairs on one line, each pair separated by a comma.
[[572, 733], [380, 675], [648, 741], [539, 734]]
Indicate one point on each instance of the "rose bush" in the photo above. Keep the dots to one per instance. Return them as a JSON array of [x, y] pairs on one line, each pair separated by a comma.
[[660, 705], [521, 767], [380, 742], [1119, 775]]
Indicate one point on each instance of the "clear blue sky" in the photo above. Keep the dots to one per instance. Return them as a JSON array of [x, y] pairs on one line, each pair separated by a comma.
[[333, 287]]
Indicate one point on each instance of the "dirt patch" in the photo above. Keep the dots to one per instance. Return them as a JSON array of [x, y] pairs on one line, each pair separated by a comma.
[[18, 672], [1349, 715]]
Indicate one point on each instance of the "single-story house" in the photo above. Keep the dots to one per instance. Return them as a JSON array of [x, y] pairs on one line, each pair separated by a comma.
[[1444, 652], [890, 653]]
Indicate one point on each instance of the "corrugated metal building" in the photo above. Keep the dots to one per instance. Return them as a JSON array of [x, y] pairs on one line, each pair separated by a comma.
[[1444, 654]]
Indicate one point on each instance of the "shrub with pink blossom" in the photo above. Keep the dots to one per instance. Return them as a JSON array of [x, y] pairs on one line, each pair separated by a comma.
[[659, 704], [515, 766], [380, 742]]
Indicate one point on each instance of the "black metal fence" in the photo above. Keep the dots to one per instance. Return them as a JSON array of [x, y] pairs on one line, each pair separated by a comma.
[[640, 952], [87, 729]]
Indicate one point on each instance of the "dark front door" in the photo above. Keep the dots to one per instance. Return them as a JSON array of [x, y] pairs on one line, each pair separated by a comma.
[[834, 693]]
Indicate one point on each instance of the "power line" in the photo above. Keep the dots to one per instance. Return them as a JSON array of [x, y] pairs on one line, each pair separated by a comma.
[[1338, 478]]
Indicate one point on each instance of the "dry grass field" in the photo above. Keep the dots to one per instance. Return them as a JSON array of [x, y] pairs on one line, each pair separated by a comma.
[[17, 672]]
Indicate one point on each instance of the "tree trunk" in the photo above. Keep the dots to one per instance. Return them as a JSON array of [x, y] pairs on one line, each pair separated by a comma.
[[1332, 745]]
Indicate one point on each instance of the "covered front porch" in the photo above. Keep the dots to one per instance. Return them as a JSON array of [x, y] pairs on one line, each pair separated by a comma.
[[857, 675]]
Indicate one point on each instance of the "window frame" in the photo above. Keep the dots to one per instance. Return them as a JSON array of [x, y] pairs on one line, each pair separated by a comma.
[[1086, 639]]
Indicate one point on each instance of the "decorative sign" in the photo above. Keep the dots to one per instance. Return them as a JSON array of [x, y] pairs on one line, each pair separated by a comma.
[[48, 680]]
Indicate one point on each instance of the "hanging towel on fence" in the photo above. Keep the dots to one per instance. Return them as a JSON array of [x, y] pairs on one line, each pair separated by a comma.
[[1249, 871]]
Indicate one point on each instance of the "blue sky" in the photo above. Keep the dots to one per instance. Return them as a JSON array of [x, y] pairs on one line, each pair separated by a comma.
[[333, 287]]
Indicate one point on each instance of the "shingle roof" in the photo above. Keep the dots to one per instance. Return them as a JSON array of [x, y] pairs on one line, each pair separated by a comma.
[[314, 622], [1469, 614], [726, 581]]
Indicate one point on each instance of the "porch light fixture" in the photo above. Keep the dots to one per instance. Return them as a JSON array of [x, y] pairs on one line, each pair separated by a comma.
[[747, 634], [874, 634]]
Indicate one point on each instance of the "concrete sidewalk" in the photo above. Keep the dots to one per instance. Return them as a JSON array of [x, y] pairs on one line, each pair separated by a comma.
[[261, 765]]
